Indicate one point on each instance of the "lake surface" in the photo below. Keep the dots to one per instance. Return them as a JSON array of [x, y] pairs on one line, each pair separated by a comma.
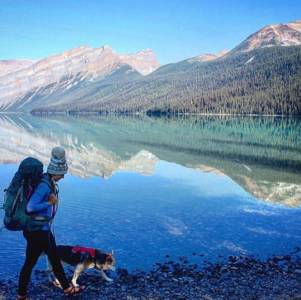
[[151, 187]]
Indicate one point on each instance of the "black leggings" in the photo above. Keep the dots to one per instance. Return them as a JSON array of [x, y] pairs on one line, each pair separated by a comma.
[[37, 243]]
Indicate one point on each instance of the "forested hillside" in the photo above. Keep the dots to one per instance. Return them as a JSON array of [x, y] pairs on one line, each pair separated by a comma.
[[262, 81]]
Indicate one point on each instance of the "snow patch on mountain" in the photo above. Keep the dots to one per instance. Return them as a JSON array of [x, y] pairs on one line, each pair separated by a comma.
[[249, 60]]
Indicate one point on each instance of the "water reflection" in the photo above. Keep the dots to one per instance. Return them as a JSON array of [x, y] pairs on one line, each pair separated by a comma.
[[263, 155], [149, 187]]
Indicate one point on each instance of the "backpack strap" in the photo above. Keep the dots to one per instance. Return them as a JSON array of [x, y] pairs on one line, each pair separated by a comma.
[[18, 196], [47, 182]]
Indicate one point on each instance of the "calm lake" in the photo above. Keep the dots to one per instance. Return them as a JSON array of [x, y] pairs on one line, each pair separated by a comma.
[[151, 187]]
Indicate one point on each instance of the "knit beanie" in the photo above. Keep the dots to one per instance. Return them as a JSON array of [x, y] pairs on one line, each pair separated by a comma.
[[57, 164]]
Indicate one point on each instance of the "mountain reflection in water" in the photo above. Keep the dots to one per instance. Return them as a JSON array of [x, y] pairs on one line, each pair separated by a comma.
[[262, 155]]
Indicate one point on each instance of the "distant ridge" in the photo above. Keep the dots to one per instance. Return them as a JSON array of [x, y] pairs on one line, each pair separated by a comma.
[[208, 56]]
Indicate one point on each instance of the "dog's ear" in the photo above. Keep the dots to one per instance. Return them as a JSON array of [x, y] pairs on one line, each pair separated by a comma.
[[109, 258]]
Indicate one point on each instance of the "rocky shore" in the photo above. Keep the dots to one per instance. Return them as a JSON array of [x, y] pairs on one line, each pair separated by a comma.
[[237, 277]]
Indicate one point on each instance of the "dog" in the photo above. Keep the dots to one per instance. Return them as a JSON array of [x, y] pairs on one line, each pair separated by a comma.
[[83, 258]]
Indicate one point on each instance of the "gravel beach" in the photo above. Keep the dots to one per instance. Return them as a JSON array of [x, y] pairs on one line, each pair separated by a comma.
[[236, 277]]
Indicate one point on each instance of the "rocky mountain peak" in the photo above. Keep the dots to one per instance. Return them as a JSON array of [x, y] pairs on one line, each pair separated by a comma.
[[272, 35], [143, 61], [208, 56], [85, 62]]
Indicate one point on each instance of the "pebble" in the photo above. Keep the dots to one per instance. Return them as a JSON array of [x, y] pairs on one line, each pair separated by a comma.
[[235, 278]]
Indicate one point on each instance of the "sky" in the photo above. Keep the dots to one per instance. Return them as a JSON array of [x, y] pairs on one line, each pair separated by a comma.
[[174, 30]]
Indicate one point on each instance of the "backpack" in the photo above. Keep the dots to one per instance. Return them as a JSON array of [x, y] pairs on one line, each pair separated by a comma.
[[16, 196]]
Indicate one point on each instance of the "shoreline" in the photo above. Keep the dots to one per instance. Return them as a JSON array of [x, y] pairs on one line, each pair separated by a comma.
[[148, 114], [163, 114], [237, 277]]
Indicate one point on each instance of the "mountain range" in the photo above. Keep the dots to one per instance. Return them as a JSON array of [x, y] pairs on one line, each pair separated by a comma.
[[261, 75]]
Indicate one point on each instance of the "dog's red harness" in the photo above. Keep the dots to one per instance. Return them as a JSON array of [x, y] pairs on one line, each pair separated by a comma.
[[90, 251]]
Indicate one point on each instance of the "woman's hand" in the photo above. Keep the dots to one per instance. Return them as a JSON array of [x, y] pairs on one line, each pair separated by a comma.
[[52, 199]]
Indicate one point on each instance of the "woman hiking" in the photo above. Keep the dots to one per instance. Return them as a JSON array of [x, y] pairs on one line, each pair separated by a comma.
[[40, 239]]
